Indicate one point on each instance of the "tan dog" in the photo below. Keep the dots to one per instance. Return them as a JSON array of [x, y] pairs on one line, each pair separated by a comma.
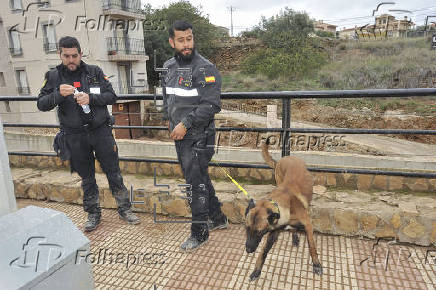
[[287, 204]]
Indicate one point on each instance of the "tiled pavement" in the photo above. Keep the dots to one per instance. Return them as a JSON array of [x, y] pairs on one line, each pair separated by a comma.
[[155, 260]]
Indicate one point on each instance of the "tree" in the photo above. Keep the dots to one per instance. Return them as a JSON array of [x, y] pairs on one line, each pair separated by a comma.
[[156, 35], [322, 33], [290, 51]]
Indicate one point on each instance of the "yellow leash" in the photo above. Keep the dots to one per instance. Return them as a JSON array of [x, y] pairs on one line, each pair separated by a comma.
[[233, 180], [275, 204]]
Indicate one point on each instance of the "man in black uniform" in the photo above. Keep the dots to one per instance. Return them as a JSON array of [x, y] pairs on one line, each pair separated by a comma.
[[82, 93], [192, 89]]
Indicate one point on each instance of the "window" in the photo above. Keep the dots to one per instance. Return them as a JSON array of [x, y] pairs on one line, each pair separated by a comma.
[[43, 3], [14, 39], [2, 80], [50, 43], [23, 86], [16, 5]]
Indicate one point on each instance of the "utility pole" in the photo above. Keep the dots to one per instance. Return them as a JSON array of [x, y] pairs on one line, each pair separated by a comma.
[[231, 8]]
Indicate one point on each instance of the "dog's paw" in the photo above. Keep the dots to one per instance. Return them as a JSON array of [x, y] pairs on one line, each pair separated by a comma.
[[254, 275], [295, 240], [317, 269]]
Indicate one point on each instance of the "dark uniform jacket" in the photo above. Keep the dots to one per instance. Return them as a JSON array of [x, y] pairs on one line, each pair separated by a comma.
[[192, 94], [71, 115]]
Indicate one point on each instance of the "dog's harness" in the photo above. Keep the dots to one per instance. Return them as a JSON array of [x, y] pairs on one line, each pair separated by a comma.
[[276, 206]]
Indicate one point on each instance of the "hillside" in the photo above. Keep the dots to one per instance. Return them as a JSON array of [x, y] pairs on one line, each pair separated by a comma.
[[397, 63]]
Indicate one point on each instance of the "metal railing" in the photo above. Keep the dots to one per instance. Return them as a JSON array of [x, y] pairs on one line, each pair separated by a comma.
[[50, 46], [125, 5], [122, 88], [125, 45], [286, 128], [16, 51], [24, 90]]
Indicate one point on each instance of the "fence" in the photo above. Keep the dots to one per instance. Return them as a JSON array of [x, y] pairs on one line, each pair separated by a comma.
[[285, 130]]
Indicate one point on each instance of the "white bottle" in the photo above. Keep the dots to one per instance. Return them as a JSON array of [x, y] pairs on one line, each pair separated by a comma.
[[86, 109]]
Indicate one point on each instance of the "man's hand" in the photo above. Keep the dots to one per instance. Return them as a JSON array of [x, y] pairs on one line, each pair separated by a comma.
[[66, 90], [82, 98], [179, 132]]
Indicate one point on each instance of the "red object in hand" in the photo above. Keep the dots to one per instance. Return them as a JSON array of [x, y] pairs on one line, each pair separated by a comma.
[[76, 84]]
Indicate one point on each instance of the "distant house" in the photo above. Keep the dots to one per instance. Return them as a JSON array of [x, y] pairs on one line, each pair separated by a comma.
[[347, 33], [386, 26], [320, 25], [222, 31]]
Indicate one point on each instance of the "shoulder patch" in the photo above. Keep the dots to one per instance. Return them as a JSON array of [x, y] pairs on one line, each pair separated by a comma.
[[44, 83], [210, 79]]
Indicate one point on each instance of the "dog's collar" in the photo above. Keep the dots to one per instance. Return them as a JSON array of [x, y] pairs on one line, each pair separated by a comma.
[[276, 206]]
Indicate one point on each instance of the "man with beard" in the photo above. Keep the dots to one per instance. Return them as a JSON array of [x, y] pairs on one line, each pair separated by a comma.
[[192, 89], [82, 92]]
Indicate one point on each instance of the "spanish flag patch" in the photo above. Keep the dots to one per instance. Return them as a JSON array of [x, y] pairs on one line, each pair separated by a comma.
[[106, 78], [210, 79]]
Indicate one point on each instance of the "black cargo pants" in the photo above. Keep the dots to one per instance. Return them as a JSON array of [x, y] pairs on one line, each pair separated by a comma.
[[194, 156], [82, 147]]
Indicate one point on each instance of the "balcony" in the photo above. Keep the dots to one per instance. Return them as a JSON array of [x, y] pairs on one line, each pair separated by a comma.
[[50, 47], [130, 9], [23, 90], [125, 49], [16, 51], [122, 88]]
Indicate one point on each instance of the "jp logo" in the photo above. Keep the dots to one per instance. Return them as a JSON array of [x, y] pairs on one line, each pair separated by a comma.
[[38, 255], [34, 14]]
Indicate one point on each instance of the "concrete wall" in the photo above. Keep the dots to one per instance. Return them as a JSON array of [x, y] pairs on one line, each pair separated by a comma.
[[156, 149], [7, 197]]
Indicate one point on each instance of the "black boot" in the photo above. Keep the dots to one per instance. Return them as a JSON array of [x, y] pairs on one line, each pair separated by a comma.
[[192, 244], [129, 217], [92, 222], [218, 223]]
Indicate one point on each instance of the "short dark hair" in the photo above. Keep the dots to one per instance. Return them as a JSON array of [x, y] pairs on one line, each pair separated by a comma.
[[179, 25], [69, 42]]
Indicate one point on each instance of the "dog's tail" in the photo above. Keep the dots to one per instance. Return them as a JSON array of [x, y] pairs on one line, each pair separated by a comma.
[[266, 155]]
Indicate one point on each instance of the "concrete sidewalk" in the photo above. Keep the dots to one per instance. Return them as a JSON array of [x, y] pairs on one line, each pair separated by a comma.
[[384, 145], [349, 263]]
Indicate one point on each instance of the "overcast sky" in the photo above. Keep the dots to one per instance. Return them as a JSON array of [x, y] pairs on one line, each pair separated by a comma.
[[342, 13]]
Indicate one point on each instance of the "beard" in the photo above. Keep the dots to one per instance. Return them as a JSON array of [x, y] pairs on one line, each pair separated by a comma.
[[185, 57]]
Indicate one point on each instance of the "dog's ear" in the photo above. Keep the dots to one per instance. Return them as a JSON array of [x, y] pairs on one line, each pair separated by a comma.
[[272, 216], [250, 206]]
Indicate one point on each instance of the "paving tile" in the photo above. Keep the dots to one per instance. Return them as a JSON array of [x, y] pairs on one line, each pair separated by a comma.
[[152, 250]]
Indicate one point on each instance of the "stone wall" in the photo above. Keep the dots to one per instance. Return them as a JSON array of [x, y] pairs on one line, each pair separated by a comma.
[[406, 217], [265, 176]]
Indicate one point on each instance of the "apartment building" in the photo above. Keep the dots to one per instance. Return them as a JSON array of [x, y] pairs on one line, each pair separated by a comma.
[[109, 31]]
